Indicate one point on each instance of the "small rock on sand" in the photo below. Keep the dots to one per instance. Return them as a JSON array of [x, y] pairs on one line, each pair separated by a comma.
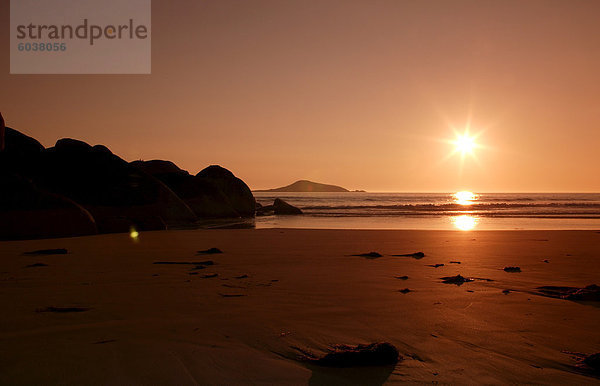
[[415, 255], [374, 354], [458, 280], [512, 269], [57, 251], [370, 255], [36, 265], [210, 275], [404, 291], [210, 251], [435, 265], [506, 292], [593, 361], [402, 277], [455, 262]]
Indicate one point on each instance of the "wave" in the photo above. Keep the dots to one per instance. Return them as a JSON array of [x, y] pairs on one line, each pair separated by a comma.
[[455, 207]]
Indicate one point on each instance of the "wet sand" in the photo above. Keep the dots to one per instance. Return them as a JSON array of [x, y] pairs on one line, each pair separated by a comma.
[[106, 314]]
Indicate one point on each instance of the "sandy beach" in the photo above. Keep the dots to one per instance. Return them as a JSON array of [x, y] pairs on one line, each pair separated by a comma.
[[278, 292]]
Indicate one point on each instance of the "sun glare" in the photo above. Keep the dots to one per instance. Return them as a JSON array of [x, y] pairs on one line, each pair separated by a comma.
[[464, 144], [465, 197], [464, 222]]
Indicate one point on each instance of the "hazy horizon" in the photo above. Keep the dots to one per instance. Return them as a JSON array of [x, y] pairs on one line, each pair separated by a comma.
[[364, 95]]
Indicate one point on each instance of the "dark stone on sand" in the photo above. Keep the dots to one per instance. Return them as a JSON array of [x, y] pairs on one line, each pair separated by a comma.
[[63, 309], [57, 251], [435, 265], [593, 361], [512, 269], [283, 208], [402, 277], [374, 354], [506, 292], [242, 277], [36, 265], [455, 262], [210, 275], [589, 293], [415, 255], [237, 192], [458, 280], [546, 261], [231, 295], [404, 291], [210, 251], [370, 255]]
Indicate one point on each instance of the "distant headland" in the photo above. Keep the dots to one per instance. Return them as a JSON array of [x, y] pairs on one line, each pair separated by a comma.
[[307, 186]]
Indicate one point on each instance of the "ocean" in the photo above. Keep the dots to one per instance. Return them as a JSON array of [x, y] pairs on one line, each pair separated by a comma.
[[462, 211]]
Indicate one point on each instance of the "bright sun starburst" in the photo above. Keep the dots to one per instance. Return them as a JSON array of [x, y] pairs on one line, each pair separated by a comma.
[[464, 144]]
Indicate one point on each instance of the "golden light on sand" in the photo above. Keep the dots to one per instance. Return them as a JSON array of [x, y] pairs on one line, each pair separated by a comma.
[[464, 143], [465, 197], [464, 222]]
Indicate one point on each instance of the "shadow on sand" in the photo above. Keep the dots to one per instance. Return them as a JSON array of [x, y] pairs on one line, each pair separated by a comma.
[[372, 375]]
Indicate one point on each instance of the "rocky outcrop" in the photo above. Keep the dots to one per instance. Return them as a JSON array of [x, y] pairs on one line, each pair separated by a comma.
[[27, 212], [117, 194], [74, 189], [213, 193]]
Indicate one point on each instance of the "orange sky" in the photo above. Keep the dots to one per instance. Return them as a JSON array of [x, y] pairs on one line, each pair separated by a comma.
[[355, 93]]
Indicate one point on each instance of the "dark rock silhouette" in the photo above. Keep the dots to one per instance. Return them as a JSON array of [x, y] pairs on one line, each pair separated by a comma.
[[404, 291], [512, 269], [27, 212], [589, 293], [593, 361], [282, 207], [210, 251], [370, 255], [118, 195], [307, 186], [75, 189], [458, 280], [416, 255], [435, 265], [374, 354], [213, 193], [236, 191]]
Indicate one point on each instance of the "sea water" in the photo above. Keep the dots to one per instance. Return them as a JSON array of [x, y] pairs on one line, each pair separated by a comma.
[[483, 211]]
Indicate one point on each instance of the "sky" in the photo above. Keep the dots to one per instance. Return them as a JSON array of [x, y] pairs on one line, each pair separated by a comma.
[[363, 94]]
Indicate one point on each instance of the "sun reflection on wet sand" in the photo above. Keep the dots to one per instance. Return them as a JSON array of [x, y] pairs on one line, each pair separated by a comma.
[[465, 222]]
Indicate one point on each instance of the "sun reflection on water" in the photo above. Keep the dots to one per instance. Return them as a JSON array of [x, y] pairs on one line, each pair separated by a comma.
[[465, 222], [465, 197]]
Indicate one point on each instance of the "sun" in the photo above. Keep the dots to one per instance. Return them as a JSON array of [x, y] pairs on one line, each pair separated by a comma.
[[464, 143]]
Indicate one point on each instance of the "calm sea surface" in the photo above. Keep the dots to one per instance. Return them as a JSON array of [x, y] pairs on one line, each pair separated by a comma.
[[462, 211]]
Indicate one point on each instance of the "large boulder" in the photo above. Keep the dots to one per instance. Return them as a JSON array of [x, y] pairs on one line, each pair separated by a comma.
[[117, 194], [21, 153], [282, 207], [213, 193], [237, 192], [27, 212]]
